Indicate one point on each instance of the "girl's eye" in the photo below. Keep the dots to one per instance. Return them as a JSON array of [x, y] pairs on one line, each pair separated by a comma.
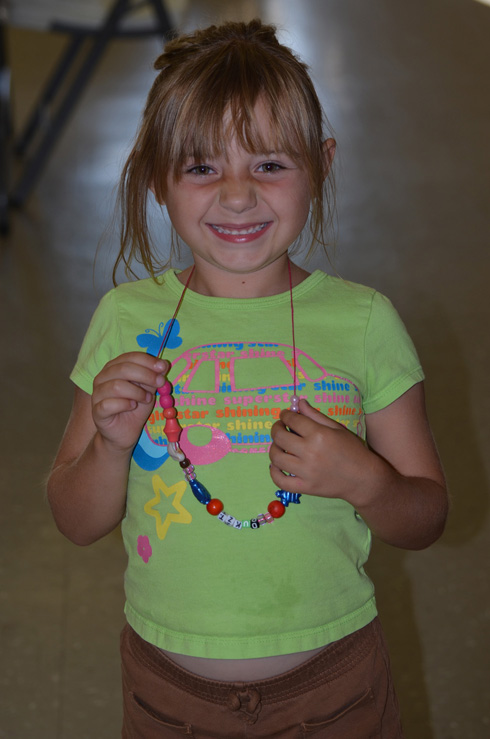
[[200, 169], [270, 167]]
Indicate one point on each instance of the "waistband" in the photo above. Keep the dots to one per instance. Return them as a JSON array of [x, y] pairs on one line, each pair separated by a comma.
[[332, 662]]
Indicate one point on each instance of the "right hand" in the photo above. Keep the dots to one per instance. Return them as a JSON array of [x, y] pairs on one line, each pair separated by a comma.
[[124, 395]]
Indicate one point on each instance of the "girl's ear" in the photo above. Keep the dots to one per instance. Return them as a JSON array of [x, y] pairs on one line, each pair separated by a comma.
[[329, 146]]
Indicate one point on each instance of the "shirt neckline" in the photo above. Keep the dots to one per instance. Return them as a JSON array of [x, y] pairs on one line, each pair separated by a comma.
[[170, 280]]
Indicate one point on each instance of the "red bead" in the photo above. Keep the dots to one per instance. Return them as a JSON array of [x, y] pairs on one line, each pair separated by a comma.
[[214, 506], [276, 509], [169, 413], [172, 429]]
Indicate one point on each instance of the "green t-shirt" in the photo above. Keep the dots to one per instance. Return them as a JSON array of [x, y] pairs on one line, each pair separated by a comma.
[[193, 584]]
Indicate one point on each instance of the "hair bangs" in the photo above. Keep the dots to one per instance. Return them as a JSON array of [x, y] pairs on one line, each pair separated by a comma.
[[223, 96]]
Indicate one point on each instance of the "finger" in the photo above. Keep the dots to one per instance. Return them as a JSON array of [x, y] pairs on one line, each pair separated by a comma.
[[308, 411], [279, 433], [300, 422], [110, 407], [123, 389], [285, 460], [286, 442], [134, 372], [142, 358], [137, 362], [286, 482]]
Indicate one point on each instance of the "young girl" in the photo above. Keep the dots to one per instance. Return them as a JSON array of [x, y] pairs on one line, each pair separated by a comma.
[[245, 487]]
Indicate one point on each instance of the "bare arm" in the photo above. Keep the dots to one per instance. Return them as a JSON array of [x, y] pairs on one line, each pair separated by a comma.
[[397, 485], [408, 504], [87, 484]]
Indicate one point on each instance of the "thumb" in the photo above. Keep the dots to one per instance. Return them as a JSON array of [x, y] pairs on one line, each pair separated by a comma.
[[309, 412]]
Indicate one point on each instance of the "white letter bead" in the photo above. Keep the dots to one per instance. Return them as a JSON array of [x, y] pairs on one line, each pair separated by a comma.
[[229, 520]]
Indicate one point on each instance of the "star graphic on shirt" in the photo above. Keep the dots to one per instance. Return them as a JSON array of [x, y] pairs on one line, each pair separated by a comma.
[[179, 515]]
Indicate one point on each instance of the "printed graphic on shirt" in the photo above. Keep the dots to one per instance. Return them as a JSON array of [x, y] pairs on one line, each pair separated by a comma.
[[177, 513], [144, 548], [154, 341], [228, 397]]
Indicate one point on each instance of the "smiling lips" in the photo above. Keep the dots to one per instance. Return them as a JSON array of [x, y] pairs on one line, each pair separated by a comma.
[[240, 235]]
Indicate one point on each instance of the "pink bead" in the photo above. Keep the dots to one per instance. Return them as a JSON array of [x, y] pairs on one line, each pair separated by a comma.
[[166, 388], [294, 403], [166, 401]]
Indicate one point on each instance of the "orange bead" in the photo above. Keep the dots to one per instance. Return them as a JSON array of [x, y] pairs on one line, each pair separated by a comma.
[[214, 507], [169, 413], [172, 429], [276, 509]]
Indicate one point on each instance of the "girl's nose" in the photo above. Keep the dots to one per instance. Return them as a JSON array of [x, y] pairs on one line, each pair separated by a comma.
[[237, 194]]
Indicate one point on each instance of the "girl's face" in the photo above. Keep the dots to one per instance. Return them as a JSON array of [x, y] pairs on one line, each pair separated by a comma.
[[240, 213]]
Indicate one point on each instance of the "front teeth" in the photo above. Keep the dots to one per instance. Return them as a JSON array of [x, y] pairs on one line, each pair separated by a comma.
[[239, 231]]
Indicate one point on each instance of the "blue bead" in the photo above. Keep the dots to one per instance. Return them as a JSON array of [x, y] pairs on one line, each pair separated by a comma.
[[287, 498], [200, 492]]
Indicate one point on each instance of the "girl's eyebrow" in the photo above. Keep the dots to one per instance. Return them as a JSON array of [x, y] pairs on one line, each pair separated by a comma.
[[273, 153], [282, 154], [267, 154]]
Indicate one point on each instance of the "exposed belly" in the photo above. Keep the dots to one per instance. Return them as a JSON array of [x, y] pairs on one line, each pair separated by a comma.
[[241, 670]]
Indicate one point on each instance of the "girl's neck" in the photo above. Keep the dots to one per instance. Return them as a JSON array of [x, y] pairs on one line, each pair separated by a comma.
[[217, 283]]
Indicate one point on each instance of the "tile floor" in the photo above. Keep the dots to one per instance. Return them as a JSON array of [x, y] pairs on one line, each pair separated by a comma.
[[406, 88]]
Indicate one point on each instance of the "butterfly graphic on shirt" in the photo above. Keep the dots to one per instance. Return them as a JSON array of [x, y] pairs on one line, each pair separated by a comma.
[[152, 340], [148, 454]]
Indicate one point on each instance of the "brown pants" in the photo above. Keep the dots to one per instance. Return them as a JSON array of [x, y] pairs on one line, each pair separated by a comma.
[[344, 692]]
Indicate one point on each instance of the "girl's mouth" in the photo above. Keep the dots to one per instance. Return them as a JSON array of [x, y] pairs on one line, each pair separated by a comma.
[[241, 234]]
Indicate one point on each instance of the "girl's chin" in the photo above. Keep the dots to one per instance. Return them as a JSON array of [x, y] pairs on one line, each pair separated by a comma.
[[241, 265]]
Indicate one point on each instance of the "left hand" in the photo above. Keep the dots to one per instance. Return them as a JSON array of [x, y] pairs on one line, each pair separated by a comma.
[[325, 458]]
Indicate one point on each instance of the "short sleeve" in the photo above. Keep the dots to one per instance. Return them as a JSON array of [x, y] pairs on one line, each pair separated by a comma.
[[102, 343], [392, 365]]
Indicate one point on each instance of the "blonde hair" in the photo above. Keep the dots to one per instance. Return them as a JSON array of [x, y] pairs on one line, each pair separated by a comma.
[[208, 85]]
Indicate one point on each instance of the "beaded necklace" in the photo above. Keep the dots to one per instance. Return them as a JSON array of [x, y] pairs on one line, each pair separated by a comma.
[[173, 430]]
